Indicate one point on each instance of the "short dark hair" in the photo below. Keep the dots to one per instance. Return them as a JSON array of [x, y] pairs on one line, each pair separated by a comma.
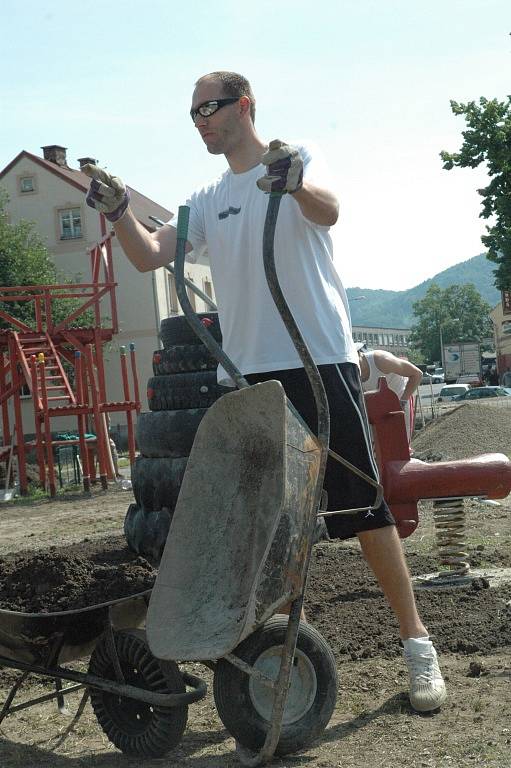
[[233, 84]]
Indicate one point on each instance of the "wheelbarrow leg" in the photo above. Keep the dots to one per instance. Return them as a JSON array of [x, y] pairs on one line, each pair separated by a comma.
[[12, 693], [265, 754]]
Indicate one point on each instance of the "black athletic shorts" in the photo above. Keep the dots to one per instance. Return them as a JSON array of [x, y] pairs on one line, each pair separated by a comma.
[[349, 437]]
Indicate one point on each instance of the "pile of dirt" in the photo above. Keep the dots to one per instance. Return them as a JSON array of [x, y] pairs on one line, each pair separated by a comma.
[[68, 578], [471, 429]]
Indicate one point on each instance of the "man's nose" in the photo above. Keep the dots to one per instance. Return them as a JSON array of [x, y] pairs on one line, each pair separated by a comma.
[[200, 120]]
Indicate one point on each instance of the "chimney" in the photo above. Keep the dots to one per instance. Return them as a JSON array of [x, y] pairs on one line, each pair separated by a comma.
[[87, 160], [55, 154]]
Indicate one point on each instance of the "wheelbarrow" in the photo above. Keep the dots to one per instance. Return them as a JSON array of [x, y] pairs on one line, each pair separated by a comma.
[[237, 553], [140, 702], [239, 547]]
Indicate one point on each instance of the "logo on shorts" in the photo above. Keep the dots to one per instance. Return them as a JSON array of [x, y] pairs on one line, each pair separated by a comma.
[[230, 210], [369, 513]]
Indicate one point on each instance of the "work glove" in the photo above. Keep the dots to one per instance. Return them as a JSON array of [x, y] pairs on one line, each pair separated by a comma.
[[285, 168], [107, 194]]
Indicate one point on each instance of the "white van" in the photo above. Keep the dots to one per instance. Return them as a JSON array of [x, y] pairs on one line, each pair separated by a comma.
[[450, 391]]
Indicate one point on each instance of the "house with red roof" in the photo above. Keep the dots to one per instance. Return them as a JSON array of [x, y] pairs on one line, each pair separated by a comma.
[[51, 193]]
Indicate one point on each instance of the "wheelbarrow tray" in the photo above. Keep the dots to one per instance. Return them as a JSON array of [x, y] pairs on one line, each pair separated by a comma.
[[33, 637], [236, 548]]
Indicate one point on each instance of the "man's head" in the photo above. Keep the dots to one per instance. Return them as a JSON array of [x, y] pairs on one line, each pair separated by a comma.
[[227, 104]]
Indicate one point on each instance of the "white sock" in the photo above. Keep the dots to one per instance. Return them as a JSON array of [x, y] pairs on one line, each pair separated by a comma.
[[416, 645]]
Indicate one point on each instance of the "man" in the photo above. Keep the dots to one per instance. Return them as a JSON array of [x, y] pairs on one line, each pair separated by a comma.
[[506, 377], [228, 217], [402, 376]]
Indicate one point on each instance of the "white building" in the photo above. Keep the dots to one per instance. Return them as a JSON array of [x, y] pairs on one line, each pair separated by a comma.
[[393, 340]]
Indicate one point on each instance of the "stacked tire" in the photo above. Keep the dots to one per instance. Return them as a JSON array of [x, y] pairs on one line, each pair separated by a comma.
[[179, 393]]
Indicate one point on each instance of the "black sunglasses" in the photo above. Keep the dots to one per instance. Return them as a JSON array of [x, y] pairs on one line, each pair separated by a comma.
[[208, 108]]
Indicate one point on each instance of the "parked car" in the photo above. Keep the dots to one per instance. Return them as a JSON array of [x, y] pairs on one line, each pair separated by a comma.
[[472, 379], [438, 376], [432, 378], [478, 393], [451, 392]]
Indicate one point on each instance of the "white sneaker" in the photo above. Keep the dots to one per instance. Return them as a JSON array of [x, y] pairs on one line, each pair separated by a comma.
[[427, 687]]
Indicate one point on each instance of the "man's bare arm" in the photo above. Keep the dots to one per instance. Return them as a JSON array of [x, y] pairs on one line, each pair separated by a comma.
[[285, 174], [107, 194], [388, 363], [144, 249], [317, 205]]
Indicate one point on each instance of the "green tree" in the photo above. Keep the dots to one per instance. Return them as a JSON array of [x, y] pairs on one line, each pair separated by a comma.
[[458, 311], [25, 260], [488, 140]]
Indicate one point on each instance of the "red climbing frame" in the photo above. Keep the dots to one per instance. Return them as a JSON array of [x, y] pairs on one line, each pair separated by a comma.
[[34, 359]]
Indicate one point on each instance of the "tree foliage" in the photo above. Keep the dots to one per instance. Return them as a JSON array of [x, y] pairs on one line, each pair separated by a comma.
[[488, 140], [25, 260], [458, 311]]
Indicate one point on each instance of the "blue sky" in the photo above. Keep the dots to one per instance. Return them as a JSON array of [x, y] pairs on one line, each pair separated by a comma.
[[369, 81]]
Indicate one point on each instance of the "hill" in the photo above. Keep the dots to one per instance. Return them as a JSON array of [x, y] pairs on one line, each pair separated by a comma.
[[393, 309]]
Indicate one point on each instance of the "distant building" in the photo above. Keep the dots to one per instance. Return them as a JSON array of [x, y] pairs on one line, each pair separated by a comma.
[[501, 319], [48, 192], [393, 340]]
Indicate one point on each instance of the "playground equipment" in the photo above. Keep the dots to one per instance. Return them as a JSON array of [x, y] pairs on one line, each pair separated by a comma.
[[61, 367], [407, 480]]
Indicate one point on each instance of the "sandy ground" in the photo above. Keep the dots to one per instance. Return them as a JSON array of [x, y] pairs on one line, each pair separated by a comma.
[[373, 723]]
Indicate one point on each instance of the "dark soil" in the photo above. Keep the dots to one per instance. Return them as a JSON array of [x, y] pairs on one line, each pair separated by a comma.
[[68, 578], [345, 603], [343, 599]]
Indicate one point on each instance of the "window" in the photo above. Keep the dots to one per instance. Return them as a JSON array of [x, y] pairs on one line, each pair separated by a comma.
[[70, 222], [27, 184], [208, 289], [173, 301], [191, 295]]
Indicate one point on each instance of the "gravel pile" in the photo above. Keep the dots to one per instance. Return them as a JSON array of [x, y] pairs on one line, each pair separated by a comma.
[[469, 430]]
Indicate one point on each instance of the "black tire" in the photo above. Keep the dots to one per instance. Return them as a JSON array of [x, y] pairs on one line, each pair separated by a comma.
[[183, 391], [177, 330], [182, 359], [244, 704], [164, 434], [156, 482], [134, 727], [146, 532]]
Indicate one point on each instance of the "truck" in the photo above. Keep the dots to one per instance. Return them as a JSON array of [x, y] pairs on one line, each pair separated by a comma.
[[462, 359]]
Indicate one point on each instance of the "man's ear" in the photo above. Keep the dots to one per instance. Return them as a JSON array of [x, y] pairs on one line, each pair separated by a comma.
[[244, 105]]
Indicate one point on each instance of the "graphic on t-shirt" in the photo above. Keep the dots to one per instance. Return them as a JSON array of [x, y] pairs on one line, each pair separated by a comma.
[[233, 211]]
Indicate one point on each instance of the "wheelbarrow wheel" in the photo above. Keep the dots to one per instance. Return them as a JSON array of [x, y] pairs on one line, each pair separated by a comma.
[[245, 705], [134, 727]]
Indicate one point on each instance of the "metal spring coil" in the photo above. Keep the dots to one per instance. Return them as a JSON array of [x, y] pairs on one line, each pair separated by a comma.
[[449, 517]]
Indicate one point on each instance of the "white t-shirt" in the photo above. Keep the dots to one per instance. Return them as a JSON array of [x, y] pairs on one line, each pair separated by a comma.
[[228, 218]]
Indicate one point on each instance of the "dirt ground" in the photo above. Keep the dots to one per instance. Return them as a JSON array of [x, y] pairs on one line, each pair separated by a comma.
[[373, 723]]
